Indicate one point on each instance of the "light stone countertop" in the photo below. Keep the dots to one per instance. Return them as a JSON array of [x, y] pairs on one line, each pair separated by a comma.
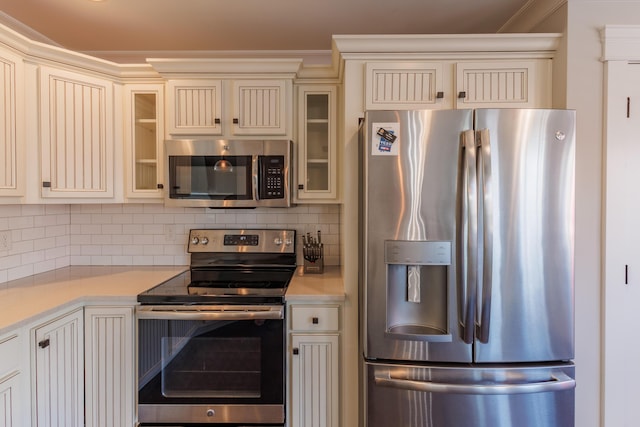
[[326, 287], [24, 300]]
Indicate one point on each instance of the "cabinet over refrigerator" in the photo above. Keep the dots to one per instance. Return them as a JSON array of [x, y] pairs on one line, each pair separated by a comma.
[[467, 268]]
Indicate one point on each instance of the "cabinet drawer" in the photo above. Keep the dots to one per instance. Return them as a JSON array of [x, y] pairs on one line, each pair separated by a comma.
[[9, 353], [314, 318]]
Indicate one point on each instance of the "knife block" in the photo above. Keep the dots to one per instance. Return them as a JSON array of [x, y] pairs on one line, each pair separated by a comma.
[[316, 267]]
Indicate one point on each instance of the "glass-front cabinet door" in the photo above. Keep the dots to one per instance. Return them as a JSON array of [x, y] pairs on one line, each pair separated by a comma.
[[143, 133], [317, 173]]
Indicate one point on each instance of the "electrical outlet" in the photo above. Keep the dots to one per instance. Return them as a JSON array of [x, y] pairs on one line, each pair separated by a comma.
[[5, 240]]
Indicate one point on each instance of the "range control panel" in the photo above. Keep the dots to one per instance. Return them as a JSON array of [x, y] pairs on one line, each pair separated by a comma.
[[253, 241]]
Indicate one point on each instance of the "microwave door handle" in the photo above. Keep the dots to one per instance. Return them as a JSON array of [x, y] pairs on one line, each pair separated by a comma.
[[255, 175]]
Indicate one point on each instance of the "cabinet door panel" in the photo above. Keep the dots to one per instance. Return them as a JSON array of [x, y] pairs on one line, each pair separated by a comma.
[[502, 84], [194, 107], [314, 394], [109, 366], [402, 86], [77, 135], [11, 159], [9, 410], [59, 375], [260, 107]]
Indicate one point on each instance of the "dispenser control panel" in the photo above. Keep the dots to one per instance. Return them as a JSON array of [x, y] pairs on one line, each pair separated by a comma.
[[412, 252]]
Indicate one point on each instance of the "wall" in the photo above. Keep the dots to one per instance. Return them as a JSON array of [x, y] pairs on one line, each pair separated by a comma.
[[45, 237], [585, 82]]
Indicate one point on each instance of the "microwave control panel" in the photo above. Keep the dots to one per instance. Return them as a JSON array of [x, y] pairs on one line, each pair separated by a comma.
[[272, 174]]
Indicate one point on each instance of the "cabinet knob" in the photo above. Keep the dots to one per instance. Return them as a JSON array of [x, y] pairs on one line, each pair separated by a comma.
[[44, 343], [300, 186], [315, 320], [296, 351], [46, 184], [160, 186], [439, 95], [236, 121], [216, 121], [462, 95]]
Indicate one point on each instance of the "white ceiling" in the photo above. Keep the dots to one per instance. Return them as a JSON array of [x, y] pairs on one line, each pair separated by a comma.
[[99, 28]]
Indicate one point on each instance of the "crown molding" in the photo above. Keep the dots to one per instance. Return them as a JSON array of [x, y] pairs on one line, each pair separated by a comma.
[[363, 46], [532, 14]]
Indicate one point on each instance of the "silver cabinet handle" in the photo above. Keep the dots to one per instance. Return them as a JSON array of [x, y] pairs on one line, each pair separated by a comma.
[[210, 312], [467, 267], [558, 382]]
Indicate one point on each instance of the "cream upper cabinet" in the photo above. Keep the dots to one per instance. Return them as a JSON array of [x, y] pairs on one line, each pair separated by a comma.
[[229, 107], [260, 106], [406, 85], [77, 135], [11, 122], [194, 107], [502, 83], [316, 143], [144, 134]]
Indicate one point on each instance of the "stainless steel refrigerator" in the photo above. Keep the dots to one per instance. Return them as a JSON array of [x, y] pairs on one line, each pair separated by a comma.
[[467, 268]]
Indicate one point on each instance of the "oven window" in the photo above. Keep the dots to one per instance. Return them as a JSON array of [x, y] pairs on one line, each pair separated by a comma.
[[210, 177], [212, 367], [222, 361]]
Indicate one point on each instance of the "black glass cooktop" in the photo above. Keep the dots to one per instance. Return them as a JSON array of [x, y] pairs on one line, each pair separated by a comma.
[[225, 286]]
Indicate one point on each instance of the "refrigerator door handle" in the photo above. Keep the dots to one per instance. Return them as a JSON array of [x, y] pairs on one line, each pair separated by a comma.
[[468, 241], [486, 233], [559, 381]]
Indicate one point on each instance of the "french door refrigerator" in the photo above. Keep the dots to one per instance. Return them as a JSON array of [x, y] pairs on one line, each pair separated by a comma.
[[467, 268]]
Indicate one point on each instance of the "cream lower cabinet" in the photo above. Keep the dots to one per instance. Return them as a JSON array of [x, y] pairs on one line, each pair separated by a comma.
[[315, 365], [109, 358], [58, 371], [12, 407]]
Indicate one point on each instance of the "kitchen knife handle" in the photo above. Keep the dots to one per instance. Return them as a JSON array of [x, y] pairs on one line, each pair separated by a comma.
[[468, 237]]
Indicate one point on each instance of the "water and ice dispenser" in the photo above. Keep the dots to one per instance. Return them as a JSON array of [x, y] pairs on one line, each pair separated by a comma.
[[417, 289]]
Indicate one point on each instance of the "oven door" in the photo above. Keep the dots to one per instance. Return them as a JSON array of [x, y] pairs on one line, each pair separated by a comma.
[[211, 364]]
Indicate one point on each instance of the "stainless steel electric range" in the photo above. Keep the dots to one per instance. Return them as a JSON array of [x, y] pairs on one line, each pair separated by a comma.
[[211, 341]]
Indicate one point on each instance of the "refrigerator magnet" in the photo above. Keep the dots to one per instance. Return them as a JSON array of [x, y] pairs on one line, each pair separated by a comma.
[[385, 139]]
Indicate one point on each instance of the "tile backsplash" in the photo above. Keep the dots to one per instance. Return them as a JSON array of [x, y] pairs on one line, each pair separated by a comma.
[[46, 237]]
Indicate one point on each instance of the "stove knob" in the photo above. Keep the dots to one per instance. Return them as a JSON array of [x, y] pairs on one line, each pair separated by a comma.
[[277, 241], [288, 242], [195, 240], [210, 412], [204, 240]]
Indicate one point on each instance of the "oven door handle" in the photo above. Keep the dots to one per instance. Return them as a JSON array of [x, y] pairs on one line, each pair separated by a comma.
[[186, 312]]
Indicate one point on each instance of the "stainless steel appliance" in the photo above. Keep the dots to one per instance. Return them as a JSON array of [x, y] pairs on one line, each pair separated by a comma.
[[228, 173], [467, 268], [211, 341]]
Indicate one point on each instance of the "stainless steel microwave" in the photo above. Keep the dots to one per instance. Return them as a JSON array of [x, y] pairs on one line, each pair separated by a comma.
[[228, 173]]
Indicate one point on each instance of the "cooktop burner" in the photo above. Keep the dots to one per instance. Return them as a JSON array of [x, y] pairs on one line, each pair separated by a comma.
[[231, 267]]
